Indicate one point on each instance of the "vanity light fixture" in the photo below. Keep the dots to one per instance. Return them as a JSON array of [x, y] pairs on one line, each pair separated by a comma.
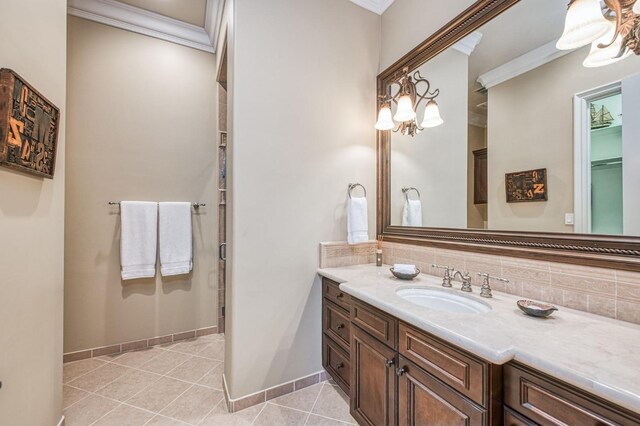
[[612, 30], [408, 100]]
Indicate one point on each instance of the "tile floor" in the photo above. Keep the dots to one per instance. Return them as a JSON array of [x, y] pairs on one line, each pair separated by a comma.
[[181, 384]]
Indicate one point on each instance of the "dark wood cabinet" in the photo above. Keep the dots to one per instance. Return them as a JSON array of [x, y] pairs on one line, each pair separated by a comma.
[[336, 333], [548, 401], [396, 374], [373, 380], [424, 400], [480, 178]]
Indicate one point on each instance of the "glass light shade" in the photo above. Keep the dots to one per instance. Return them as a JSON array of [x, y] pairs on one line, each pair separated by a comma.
[[584, 23], [431, 115], [636, 8], [600, 57], [405, 110], [384, 119]]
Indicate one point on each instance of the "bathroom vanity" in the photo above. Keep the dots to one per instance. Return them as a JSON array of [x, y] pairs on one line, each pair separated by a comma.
[[403, 364]]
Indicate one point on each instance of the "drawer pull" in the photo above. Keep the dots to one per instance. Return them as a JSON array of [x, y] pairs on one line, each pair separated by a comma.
[[340, 295], [400, 371], [390, 362], [340, 326], [339, 365]]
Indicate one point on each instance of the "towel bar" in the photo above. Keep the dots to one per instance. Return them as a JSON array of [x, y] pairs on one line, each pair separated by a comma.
[[353, 185], [194, 205]]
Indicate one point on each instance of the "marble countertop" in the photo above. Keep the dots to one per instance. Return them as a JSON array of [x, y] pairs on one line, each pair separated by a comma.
[[594, 353]]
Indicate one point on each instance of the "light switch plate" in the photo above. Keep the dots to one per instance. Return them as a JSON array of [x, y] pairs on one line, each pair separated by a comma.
[[569, 219]]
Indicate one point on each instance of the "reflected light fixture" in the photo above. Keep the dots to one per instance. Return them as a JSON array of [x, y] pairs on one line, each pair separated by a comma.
[[613, 30], [408, 99]]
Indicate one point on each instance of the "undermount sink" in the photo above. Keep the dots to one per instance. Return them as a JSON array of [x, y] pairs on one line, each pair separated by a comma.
[[443, 301]]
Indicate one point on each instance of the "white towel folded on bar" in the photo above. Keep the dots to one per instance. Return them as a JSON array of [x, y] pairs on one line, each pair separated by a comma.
[[412, 213], [357, 221], [176, 245], [404, 268], [138, 239]]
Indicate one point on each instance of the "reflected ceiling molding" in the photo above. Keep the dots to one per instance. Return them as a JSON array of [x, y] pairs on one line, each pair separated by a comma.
[[130, 18], [522, 64], [376, 6], [468, 44], [213, 20]]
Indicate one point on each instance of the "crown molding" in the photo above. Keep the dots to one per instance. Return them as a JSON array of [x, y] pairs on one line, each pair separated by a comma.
[[213, 20], [376, 6], [522, 64], [130, 18], [468, 44]]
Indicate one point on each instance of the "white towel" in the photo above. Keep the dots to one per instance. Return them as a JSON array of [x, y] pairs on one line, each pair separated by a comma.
[[404, 268], [138, 239], [176, 247], [412, 213], [357, 221]]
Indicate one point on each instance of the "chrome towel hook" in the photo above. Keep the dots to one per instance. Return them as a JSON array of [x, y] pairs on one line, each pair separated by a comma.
[[406, 190], [353, 185]]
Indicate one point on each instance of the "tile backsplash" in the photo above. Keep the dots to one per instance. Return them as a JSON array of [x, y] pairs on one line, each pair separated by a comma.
[[607, 292]]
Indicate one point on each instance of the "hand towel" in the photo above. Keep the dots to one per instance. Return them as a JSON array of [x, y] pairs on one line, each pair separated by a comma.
[[357, 221], [412, 213], [176, 247], [138, 239], [404, 268]]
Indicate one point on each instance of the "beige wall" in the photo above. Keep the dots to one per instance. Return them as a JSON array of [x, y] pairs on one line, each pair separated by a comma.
[[302, 109], [33, 43], [539, 134], [142, 126], [434, 161], [407, 23]]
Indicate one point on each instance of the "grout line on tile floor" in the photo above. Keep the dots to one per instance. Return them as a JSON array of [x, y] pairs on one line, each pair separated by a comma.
[[211, 411], [258, 415], [314, 403]]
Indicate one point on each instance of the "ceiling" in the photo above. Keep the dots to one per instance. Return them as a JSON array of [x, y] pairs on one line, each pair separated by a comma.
[[189, 11]]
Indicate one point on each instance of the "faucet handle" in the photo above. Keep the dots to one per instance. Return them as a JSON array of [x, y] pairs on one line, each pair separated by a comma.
[[446, 280], [485, 291]]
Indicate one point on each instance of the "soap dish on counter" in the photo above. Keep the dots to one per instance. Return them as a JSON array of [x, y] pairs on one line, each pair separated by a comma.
[[536, 309], [404, 276]]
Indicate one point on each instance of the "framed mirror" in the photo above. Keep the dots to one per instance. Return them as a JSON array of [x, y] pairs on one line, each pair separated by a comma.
[[491, 139]]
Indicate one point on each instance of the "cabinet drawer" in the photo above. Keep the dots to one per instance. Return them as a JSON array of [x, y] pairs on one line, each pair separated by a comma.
[[464, 373], [331, 291], [423, 400], [336, 324], [378, 324], [511, 418], [337, 363], [548, 401]]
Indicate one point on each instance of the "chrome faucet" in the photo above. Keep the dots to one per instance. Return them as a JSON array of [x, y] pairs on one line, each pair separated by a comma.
[[485, 291], [466, 280], [446, 280]]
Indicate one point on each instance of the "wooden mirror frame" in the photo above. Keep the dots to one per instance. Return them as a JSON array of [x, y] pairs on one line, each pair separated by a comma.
[[617, 252]]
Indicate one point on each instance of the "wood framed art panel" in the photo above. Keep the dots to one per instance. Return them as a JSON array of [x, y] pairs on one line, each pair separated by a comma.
[[616, 252]]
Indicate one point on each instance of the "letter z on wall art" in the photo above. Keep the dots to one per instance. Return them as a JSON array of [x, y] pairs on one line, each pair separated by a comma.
[[28, 127]]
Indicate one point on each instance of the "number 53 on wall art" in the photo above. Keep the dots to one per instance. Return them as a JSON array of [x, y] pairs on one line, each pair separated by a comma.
[[28, 127]]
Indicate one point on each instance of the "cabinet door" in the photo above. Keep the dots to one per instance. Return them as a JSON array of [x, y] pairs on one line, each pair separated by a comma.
[[373, 380], [423, 400]]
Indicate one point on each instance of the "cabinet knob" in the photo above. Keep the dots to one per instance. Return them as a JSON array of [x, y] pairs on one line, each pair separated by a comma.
[[390, 362], [340, 326], [339, 365], [400, 371], [340, 295]]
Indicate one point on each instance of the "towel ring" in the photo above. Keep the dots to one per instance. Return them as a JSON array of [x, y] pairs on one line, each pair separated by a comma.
[[353, 185], [406, 190]]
